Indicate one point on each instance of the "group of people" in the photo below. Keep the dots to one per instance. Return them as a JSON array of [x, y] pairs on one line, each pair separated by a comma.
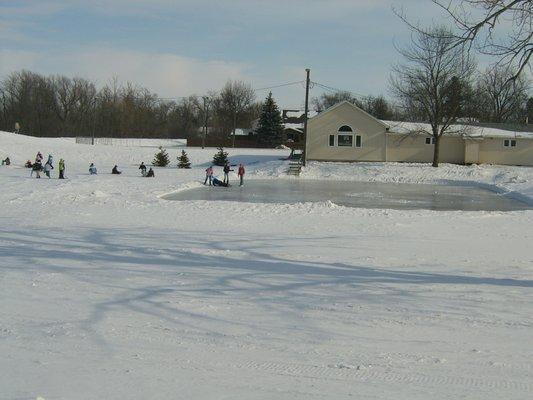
[[149, 174], [37, 167], [214, 181], [115, 171]]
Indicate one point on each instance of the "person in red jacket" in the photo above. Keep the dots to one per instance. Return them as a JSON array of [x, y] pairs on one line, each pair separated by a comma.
[[240, 173]]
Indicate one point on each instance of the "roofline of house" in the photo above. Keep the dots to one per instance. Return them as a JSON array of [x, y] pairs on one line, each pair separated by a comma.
[[333, 107]]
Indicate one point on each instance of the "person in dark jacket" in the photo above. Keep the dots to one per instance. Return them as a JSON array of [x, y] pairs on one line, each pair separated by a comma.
[[37, 168], [226, 173], [218, 182], [150, 173], [142, 167], [115, 171]]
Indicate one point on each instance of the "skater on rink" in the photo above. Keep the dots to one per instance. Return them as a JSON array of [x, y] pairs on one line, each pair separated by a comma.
[[209, 175], [240, 173], [227, 170]]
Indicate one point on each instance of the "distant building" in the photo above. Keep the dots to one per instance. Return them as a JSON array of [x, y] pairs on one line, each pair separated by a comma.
[[293, 124], [344, 132]]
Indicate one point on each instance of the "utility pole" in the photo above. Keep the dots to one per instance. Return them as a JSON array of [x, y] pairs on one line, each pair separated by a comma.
[[206, 116], [307, 84], [94, 121]]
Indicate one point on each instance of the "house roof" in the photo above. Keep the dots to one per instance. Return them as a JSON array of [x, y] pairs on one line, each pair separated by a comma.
[[334, 107], [466, 131]]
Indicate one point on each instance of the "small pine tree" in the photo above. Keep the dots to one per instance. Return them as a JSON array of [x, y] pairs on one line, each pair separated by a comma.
[[270, 128], [183, 160], [220, 158], [161, 158]]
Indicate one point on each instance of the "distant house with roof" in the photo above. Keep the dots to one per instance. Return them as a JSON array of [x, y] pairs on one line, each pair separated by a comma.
[[293, 124], [344, 132]]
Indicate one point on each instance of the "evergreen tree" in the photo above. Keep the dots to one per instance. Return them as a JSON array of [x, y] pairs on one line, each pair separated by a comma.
[[161, 158], [183, 160], [220, 158], [270, 128]]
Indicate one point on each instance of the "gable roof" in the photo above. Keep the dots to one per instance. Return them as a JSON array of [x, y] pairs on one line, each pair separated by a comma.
[[334, 107]]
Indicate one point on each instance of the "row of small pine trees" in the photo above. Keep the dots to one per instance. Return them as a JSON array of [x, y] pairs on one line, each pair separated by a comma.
[[162, 158]]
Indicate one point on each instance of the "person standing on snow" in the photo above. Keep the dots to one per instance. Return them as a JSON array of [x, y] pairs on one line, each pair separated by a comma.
[[50, 160], [61, 168], [226, 173], [209, 176], [47, 168], [142, 167], [240, 173], [37, 168]]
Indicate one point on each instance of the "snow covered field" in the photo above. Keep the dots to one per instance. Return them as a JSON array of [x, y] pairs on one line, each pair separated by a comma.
[[108, 291]]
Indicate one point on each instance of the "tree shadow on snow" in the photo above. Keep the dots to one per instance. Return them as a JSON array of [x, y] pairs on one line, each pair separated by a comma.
[[155, 274]]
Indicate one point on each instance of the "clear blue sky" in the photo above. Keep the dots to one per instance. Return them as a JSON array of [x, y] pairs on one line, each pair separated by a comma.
[[181, 47]]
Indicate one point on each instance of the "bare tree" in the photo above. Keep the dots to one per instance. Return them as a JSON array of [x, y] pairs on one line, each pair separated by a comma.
[[430, 80], [237, 97], [327, 100], [498, 28], [502, 98]]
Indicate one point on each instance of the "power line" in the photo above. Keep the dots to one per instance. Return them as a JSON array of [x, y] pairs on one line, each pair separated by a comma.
[[255, 90], [335, 90], [278, 86]]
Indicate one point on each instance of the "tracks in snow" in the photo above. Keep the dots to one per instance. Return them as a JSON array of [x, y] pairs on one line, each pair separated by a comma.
[[361, 373]]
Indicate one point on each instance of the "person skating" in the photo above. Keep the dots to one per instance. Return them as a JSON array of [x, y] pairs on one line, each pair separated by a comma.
[[209, 175], [92, 169], [150, 173], [115, 171], [240, 173], [37, 168], [142, 167], [39, 157], [61, 167], [226, 173], [50, 160]]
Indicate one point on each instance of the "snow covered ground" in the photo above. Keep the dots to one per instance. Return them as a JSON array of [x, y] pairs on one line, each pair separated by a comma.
[[109, 291]]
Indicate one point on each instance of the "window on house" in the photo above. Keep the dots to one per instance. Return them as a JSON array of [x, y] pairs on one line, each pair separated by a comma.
[[358, 142], [509, 143], [430, 140], [344, 140], [345, 128], [332, 140]]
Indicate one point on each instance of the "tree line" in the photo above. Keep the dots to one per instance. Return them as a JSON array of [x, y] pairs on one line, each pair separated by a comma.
[[57, 105]]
